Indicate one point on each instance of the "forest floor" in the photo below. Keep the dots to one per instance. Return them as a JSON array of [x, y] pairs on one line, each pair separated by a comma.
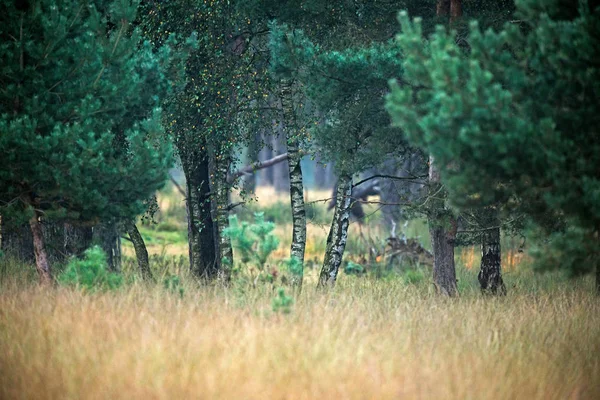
[[368, 337]]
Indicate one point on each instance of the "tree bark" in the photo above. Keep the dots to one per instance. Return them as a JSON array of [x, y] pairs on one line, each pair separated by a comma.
[[442, 228], [296, 183], [107, 235], [41, 257], [338, 233], [455, 10], [281, 177], [201, 229], [141, 253], [490, 274], [222, 216], [442, 7]]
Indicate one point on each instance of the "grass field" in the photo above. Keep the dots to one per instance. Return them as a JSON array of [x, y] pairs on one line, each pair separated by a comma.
[[366, 339]]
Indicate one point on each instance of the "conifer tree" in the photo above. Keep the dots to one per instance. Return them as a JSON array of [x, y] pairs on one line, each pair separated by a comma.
[[80, 126], [514, 119]]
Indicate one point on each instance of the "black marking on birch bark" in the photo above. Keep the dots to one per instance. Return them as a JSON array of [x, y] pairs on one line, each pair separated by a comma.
[[296, 184], [338, 234]]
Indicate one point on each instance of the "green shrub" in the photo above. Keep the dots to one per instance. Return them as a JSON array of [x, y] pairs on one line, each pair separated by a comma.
[[282, 302], [254, 242], [173, 284], [413, 276], [294, 266], [352, 268], [90, 273]]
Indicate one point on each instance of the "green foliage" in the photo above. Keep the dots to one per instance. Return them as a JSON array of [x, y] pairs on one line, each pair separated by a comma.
[[173, 284], [79, 110], [282, 303], [90, 273], [352, 268], [294, 266], [255, 242], [513, 116], [413, 276]]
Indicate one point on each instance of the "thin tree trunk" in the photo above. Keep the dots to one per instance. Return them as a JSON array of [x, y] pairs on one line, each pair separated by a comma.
[[490, 274], [442, 7], [201, 236], [281, 177], [141, 253], [41, 258], [338, 233], [222, 216], [455, 10], [442, 228], [296, 183]]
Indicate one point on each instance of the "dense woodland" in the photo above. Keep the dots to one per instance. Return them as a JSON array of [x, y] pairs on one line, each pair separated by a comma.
[[477, 118]]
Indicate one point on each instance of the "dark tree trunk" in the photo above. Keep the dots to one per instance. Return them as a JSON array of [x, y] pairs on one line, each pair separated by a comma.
[[295, 178], [490, 274], [338, 233], [107, 236], [455, 10], [201, 237], [225, 252], [442, 228], [41, 257], [141, 253], [442, 7]]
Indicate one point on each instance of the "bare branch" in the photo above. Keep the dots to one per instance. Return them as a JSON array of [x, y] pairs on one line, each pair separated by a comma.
[[255, 166], [393, 177], [179, 188]]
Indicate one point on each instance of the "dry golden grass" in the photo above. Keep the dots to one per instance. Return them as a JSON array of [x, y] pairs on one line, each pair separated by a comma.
[[366, 339]]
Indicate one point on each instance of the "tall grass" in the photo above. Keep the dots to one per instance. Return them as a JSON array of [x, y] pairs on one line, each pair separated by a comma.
[[364, 339]]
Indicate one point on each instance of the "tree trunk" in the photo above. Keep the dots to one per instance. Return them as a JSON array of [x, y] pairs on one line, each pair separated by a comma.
[[281, 176], [442, 7], [107, 236], [490, 274], [442, 228], [296, 183], [455, 10], [338, 233], [201, 236], [141, 253], [222, 215], [41, 258]]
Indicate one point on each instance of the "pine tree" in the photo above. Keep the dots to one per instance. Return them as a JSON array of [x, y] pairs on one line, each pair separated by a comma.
[[80, 126], [513, 120]]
